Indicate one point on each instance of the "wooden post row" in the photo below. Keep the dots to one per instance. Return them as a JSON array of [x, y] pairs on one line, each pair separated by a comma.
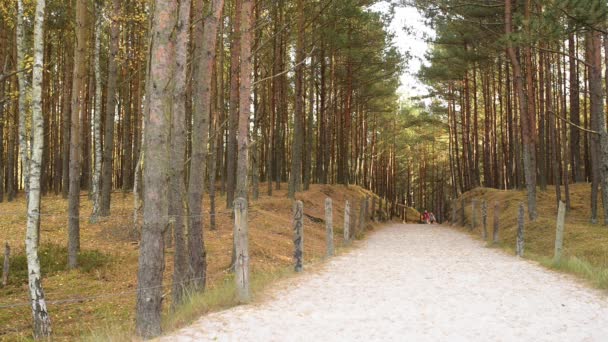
[[329, 226], [298, 236], [241, 265]]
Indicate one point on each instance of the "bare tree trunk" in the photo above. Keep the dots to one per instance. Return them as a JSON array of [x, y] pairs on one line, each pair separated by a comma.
[[106, 172], [244, 98], [78, 99], [24, 105], [527, 119], [231, 150], [295, 176], [96, 122], [599, 142], [42, 322], [575, 141], [200, 130], [157, 128], [177, 187]]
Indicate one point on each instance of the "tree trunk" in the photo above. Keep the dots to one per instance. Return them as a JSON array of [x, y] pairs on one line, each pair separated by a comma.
[[108, 137], [575, 153], [246, 12], [97, 118], [231, 150], [200, 130], [177, 187], [24, 105], [42, 322], [527, 120], [78, 101], [156, 149], [295, 176], [599, 142]]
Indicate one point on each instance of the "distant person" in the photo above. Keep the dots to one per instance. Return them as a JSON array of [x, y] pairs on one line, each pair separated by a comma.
[[432, 218], [426, 217]]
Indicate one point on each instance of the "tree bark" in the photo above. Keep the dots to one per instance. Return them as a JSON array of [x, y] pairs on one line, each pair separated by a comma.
[[244, 97], [200, 130], [78, 101], [108, 157], [42, 322], [599, 142], [295, 176], [24, 105], [97, 116], [231, 150], [527, 119], [177, 187], [156, 149]]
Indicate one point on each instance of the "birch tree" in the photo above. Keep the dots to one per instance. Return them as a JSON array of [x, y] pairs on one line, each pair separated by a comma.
[[42, 322], [96, 122], [23, 93]]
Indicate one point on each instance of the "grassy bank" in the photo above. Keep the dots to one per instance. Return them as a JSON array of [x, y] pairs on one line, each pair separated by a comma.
[[102, 291], [585, 251]]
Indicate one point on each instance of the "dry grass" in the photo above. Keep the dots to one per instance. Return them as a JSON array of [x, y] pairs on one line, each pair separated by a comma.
[[109, 258], [585, 245]]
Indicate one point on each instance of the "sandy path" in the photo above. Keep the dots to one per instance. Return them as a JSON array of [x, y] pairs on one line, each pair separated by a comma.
[[417, 283]]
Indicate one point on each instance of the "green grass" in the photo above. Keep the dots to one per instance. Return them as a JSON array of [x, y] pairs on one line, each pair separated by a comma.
[[53, 259], [596, 276], [585, 249], [216, 298]]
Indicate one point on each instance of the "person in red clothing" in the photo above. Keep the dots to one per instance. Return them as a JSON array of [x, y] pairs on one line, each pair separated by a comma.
[[426, 217]]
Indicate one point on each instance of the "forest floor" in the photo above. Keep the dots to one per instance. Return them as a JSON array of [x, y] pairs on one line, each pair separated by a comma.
[[98, 299], [417, 283]]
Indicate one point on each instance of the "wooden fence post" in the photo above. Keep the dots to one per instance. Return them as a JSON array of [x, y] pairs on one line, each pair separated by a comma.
[[519, 247], [362, 216], [298, 238], [241, 264], [484, 219], [559, 234], [329, 226], [473, 218], [347, 222], [5, 269], [462, 218], [496, 222], [453, 218], [373, 214], [353, 221]]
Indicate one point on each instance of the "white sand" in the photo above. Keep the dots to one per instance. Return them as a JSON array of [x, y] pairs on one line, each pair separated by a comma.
[[417, 283]]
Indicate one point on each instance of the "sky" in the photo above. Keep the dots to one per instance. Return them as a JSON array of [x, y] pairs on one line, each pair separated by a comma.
[[414, 42]]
